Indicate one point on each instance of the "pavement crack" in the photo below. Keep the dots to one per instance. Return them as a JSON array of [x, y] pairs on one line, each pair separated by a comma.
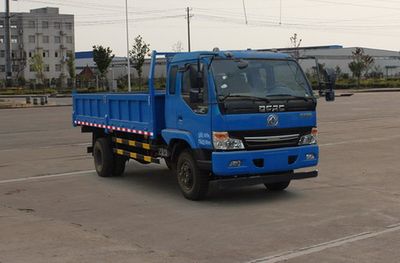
[[27, 210]]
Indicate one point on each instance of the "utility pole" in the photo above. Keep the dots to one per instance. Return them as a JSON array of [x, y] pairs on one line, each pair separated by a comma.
[[245, 12], [127, 46], [7, 42], [188, 16]]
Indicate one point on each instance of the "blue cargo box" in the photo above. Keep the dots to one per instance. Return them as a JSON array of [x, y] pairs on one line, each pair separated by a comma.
[[125, 112]]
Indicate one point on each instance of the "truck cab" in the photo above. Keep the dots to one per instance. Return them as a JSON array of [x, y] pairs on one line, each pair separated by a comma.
[[234, 118]]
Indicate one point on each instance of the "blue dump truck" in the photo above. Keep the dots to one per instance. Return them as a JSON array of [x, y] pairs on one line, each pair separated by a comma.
[[234, 118]]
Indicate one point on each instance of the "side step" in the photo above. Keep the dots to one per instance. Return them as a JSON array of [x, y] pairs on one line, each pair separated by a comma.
[[136, 156]]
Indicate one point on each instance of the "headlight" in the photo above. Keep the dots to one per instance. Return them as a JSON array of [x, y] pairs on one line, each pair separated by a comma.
[[309, 138], [222, 141]]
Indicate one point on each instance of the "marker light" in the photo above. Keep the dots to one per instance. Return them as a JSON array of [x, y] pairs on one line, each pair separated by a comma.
[[310, 156], [235, 163]]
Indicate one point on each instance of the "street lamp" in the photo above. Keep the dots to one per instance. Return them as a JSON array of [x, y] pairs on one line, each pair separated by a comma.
[[127, 46]]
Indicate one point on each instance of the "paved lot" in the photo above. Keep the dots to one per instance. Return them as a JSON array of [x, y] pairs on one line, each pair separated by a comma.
[[351, 213]]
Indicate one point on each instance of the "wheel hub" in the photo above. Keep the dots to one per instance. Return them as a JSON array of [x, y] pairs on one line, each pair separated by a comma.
[[186, 176]]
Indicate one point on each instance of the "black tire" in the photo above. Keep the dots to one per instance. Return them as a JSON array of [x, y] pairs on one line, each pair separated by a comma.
[[170, 164], [192, 181], [119, 165], [106, 164], [276, 187]]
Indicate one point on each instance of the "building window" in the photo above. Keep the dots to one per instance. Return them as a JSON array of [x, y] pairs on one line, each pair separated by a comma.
[[58, 67], [2, 53], [30, 54], [46, 68], [13, 24], [1, 23], [2, 68], [56, 54], [46, 53], [32, 39], [68, 25], [32, 24], [14, 39], [45, 24], [31, 68], [13, 55], [45, 39], [57, 25], [57, 39], [1, 39], [69, 39], [15, 68]]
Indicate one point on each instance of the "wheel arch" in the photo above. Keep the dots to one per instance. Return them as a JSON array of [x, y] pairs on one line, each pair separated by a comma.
[[176, 146]]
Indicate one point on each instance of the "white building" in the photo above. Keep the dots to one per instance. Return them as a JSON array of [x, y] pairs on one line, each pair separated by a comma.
[[386, 61], [118, 67], [44, 31]]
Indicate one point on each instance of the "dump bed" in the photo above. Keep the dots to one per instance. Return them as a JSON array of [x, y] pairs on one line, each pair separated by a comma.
[[126, 112]]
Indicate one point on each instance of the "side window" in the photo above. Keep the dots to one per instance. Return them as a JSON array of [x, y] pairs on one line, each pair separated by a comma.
[[172, 79], [195, 88]]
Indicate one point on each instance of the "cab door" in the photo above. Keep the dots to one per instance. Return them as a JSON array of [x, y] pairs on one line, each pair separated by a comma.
[[193, 112], [172, 97]]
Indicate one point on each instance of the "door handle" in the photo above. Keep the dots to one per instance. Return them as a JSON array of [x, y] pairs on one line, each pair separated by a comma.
[[180, 118]]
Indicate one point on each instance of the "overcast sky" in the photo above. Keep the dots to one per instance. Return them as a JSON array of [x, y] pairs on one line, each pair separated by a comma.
[[221, 23]]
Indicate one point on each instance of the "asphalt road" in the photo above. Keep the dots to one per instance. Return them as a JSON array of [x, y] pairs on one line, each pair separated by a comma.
[[53, 207]]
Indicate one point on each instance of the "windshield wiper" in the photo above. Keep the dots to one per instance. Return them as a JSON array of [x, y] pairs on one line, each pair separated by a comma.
[[289, 96], [229, 95]]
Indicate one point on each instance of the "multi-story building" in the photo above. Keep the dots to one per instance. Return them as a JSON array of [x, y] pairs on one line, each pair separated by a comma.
[[42, 31]]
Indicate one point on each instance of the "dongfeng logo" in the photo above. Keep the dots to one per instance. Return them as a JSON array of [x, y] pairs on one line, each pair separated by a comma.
[[272, 120], [271, 108]]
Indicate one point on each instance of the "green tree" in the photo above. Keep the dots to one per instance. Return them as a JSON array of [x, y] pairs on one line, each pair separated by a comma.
[[338, 71], [102, 57], [71, 68], [361, 64], [137, 55], [37, 63], [296, 45]]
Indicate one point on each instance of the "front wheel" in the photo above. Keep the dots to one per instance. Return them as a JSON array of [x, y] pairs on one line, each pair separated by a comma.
[[276, 187], [170, 164], [192, 181]]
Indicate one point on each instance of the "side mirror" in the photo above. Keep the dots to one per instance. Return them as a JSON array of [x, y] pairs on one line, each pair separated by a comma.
[[195, 96]]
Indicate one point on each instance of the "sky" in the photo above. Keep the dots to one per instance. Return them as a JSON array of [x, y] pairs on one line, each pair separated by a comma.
[[221, 23]]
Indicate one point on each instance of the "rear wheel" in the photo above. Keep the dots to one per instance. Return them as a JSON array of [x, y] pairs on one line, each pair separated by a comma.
[[119, 165], [105, 162], [276, 187], [192, 181]]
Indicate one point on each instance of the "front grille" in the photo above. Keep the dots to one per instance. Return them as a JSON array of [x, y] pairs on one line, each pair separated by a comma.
[[271, 138]]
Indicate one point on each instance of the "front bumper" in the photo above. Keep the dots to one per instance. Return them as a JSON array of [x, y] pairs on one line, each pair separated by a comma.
[[264, 179], [263, 161]]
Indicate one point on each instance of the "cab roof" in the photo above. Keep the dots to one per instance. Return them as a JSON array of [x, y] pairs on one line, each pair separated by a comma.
[[247, 54]]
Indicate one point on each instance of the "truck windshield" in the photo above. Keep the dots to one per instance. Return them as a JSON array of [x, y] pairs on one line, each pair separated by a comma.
[[267, 79]]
